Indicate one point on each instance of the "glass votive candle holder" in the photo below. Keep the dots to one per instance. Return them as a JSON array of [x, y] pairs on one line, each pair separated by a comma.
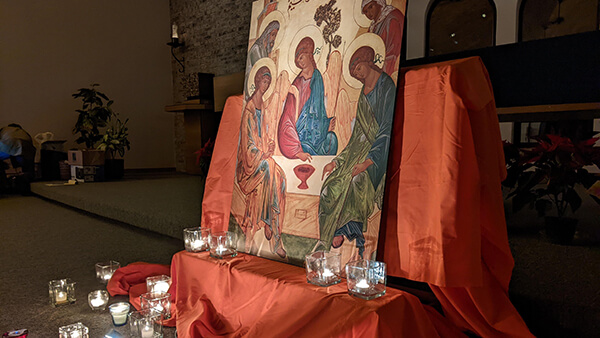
[[366, 278], [61, 291], [159, 302], [158, 284], [223, 244], [119, 312], [145, 324], [196, 239], [77, 330], [98, 299], [105, 270], [323, 268]]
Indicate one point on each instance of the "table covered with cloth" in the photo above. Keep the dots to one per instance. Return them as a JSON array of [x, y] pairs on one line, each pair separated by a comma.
[[443, 220], [251, 296]]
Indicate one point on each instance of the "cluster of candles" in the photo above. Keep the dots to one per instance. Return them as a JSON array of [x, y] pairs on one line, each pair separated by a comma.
[[365, 278], [145, 323], [221, 244]]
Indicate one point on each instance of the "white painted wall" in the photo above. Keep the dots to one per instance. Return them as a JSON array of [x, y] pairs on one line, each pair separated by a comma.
[[49, 49], [507, 23]]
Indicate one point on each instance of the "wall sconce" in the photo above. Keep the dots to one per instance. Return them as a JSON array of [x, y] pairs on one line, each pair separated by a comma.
[[175, 43]]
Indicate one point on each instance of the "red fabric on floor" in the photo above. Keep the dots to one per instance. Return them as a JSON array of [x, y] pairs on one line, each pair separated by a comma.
[[131, 280], [135, 273], [254, 297]]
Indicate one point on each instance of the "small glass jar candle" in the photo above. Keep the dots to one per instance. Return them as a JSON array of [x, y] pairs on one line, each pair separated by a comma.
[[196, 239], [159, 302], [98, 299], [145, 324], [158, 284], [105, 270], [61, 291], [119, 312], [323, 268], [223, 244], [77, 330], [366, 279]]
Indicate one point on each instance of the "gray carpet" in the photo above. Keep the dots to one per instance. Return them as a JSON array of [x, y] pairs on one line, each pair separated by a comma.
[[42, 241], [165, 205]]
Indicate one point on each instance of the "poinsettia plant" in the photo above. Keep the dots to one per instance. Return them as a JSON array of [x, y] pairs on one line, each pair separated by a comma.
[[547, 174], [204, 155]]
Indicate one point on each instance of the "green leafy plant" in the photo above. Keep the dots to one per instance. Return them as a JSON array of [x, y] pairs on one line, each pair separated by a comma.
[[95, 113], [115, 140], [547, 175]]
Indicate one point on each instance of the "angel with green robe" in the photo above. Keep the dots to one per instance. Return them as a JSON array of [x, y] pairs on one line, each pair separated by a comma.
[[356, 177]]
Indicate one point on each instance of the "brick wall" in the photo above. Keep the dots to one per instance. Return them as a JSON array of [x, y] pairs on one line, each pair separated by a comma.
[[215, 34]]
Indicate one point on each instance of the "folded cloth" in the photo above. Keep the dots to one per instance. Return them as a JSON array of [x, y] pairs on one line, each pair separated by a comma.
[[135, 273]]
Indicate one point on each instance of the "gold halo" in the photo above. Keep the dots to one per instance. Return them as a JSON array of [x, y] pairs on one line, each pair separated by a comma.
[[269, 63], [274, 16], [315, 34], [366, 39], [359, 17]]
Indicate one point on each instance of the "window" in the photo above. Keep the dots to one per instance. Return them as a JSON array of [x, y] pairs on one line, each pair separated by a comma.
[[458, 25], [540, 19]]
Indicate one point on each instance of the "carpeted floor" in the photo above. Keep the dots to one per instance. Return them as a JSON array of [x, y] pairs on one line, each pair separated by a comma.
[[42, 241]]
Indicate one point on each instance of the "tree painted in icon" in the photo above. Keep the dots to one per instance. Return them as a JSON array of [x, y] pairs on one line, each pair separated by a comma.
[[330, 17]]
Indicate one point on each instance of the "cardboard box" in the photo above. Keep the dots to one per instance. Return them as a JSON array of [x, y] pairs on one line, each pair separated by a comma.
[[87, 173], [86, 157]]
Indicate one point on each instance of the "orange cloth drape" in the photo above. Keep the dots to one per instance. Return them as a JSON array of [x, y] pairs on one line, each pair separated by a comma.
[[216, 203], [443, 220], [254, 297]]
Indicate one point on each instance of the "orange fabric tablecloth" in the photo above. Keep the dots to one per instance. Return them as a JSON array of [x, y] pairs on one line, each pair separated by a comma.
[[254, 297]]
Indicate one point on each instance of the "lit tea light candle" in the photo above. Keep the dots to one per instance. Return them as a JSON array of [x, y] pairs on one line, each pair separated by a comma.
[[147, 331], [119, 312], [161, 286], [61, 297], [197, 244], [222, 244], [362, 284], [97, 302], [105, 270], [98, 299], [327, 273]]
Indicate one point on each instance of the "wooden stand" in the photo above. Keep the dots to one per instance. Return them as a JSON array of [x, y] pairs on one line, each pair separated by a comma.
[[200, 125]]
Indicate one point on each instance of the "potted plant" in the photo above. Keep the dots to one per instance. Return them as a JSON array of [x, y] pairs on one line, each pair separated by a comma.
[[95, 113], [115, 141], [546, 177]]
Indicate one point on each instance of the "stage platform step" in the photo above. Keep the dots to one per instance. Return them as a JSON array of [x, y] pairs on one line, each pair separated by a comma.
[[166, 204]]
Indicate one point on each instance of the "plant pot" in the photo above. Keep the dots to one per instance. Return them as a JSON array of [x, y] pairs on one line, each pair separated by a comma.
[[114, 169], [560, 230]]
